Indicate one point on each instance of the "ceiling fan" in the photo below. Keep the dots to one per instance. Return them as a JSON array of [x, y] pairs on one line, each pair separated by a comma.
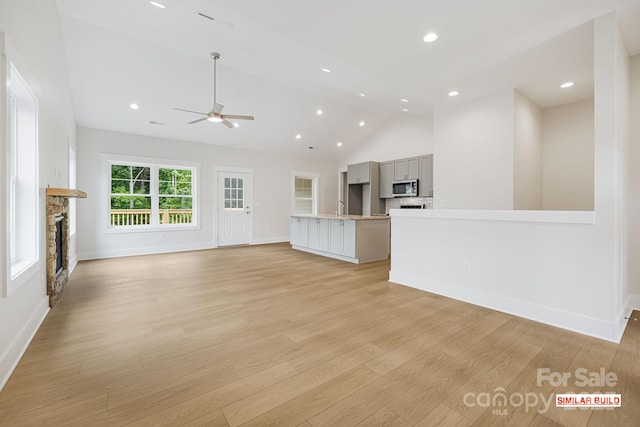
[[215, 115]]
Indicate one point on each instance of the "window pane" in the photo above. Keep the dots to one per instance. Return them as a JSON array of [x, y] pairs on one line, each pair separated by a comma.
[[227, 183], [304, 207], [240, 182], [130, 211], [234, 204], [174, 181], [240, 204], [175, 210]]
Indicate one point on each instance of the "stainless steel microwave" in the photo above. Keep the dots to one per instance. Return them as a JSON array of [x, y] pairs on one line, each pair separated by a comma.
[[407, 188]]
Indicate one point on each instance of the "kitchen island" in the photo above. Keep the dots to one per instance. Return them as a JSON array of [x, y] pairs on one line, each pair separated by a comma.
[[351, 238]]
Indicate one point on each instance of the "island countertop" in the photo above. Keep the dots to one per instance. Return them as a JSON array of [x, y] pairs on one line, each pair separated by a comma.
[[353, 217]]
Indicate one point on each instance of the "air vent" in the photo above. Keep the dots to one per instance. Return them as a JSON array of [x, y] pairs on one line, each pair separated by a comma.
[[153, 122]]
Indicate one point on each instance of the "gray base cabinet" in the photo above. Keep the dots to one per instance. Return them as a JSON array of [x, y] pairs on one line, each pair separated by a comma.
[[351, 240]]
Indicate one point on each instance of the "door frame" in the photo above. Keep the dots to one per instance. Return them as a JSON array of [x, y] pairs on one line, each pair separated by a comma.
[[216, 200]]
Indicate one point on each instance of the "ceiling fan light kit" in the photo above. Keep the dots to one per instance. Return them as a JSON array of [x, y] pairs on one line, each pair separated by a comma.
[[215, 115]]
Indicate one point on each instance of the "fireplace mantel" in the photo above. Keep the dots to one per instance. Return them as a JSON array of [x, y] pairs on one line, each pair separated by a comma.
[[66, 192]]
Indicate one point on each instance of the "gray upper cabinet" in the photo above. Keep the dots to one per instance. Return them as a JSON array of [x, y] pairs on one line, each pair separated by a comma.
[[359, 173], [387, 172], [425, 185], [407, 168]]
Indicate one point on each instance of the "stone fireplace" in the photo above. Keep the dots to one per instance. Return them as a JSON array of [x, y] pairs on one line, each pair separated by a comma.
[[58, 240]]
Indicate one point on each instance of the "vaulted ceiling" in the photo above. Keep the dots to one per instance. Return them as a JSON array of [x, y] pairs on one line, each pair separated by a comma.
[[129, 51]]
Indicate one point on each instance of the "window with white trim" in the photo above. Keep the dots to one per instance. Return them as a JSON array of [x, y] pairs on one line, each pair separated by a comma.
[[23, 175], [305, 193], [144, 195]]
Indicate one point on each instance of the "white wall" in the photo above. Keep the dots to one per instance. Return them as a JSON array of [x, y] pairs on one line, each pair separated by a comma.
[[633, 160], [272, 192], [568, 157], [538, 265], [33, 30], [402, 136], [527, 150], [474, 155]]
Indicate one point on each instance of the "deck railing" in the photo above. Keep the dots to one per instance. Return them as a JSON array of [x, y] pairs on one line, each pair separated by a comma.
[[120, 217]]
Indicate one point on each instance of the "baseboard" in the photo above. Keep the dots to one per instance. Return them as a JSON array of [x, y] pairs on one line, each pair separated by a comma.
[[609, 331], [84, 256], [269, 240], [73, 262], [12, 355]]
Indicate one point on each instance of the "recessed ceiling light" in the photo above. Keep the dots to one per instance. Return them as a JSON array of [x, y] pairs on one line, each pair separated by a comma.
[[156, 4], [454, 93], [404, 100], [339, 144], [214, 119], [430, 38], [326, 70], [319, 112], [406, 110], [362, 94], [134, 106], [236, 124], [362, 124], [298, 136], [566, 85], [311, 147]]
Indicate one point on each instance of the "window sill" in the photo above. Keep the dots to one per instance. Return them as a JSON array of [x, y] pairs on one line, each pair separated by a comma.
[[150, 228]]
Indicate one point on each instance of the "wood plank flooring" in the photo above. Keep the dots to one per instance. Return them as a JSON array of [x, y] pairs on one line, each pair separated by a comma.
[[265, 335]]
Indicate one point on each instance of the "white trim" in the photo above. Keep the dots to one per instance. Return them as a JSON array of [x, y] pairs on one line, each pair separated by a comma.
[[150, 250], [73, 263], [559, 217], [15, 350], [270, 240], [315, 185], [599, 328], [216, 201], [124, 229]]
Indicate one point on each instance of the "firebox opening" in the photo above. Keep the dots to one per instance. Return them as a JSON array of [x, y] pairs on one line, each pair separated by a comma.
[[59, 237]]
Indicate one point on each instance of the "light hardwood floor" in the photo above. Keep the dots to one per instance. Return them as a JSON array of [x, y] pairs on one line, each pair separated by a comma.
[[265, 335]]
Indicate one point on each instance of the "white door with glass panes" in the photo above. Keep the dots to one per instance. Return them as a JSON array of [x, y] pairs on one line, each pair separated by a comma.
[[235, 213]]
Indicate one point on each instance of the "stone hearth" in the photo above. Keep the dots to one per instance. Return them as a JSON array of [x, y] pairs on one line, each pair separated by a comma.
[[58, 205]]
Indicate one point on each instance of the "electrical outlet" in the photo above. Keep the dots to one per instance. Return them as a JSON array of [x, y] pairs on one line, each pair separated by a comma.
[[466, 267]]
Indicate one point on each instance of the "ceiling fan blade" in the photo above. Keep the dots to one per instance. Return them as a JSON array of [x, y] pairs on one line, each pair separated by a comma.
[[199, 120], [235, 116], [217, 109], [227, 123], [190, 111]]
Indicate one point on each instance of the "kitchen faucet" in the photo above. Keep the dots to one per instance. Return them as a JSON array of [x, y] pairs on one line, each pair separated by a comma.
[[338, 207]]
